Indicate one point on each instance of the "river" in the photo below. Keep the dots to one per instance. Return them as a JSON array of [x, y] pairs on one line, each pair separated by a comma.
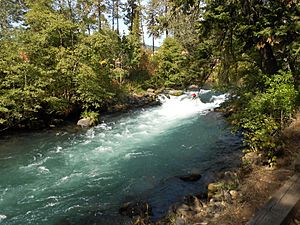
[[69, 174]]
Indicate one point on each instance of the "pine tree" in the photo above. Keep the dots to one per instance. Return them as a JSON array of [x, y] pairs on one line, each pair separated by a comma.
[[153, 12]]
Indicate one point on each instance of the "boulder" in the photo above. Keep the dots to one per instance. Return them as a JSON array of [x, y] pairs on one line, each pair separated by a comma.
[[252, 158], [176, 92], [193, 87], [213, 187], [197, 205], [150, 90], [227, 196], [190, 177], [179, 221], [85, 122], [184, 211], [159, 91], [234, 194]]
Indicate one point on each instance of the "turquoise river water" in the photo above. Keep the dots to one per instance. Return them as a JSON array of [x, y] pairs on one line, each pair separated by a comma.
[[72, 175]]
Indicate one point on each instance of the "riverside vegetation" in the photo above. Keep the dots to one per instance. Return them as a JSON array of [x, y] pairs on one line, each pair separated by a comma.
[[62, 57]]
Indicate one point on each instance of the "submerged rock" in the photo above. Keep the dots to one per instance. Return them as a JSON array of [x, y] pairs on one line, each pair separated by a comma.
[[190, 177]]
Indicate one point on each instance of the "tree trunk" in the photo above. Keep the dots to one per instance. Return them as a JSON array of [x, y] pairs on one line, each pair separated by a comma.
[[113, 14], [142, 30], [166, 12], [71, 10], [132, 17], [153, 43], [99, 16], [117, 16], [268, 61]]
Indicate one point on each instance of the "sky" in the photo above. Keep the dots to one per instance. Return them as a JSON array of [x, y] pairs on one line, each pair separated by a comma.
[[148, 40]]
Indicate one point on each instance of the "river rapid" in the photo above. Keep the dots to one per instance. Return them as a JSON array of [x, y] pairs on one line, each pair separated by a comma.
[[72, 175]]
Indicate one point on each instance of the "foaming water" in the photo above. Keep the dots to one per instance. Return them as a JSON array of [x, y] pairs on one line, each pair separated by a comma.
[[48, 176]]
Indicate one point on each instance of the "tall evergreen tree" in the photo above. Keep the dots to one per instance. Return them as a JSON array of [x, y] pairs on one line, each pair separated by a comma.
[[11, 14], [153, 12]]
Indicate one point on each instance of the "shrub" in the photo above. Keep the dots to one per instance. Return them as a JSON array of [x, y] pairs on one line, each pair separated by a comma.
[[265, 113]]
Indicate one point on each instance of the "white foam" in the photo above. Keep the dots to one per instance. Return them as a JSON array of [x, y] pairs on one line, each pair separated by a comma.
[[104, 149], [43, 169], [36, 164], [104, 126], [58, 149], [202, 91], [2, 217], [72, 207], [90, 133], [133, 155], [152, 121]]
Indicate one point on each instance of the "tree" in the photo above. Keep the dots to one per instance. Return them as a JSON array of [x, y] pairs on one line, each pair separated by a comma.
[[132, 12], [11, 13], [171, 58], [153, 12], [114, 7]]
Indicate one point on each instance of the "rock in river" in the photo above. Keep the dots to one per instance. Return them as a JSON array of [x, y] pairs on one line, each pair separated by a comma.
[[85, 122], [176, 92], [190, 177]]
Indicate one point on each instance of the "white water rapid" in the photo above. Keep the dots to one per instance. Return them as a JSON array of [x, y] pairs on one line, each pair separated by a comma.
[[49, 177]]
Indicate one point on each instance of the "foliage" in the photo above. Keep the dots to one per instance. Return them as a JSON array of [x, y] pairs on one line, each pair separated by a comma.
[[264, 113], [93, 116], [171, 60], [53, 66], [58, 56]]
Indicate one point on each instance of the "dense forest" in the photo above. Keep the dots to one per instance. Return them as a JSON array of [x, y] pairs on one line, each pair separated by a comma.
[[59, 57]]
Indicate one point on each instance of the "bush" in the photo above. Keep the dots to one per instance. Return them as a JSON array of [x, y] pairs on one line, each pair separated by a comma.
[[265, 113], [94, 116]]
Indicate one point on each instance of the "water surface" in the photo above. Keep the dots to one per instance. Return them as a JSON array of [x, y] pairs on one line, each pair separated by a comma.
[[48, 176]]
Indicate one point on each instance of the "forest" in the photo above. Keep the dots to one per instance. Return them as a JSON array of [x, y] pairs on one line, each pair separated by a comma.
[[61, 57]]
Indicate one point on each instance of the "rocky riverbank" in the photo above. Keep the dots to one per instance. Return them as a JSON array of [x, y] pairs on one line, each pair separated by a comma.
[[239, 194], [236, 195]]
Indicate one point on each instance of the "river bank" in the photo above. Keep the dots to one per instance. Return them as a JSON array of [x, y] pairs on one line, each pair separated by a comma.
[[231, 196], [240, 193], [122, 104]]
